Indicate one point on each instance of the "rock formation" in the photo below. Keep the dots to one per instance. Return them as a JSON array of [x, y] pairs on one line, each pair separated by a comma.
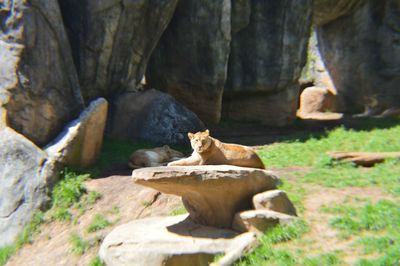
[[215, 197], [39, 89], [359, 43], [191, 58], [80, 142], [112, 41], [266, 59], [154, 117], [169, 241], [26, 176], [212, 194]]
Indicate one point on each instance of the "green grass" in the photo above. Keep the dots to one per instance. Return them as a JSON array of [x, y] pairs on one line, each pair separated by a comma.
[[378, 222], [66, 193], [30, 230], [99, 222], [372, 227], [78, 245], [96, 262], [178, 211]]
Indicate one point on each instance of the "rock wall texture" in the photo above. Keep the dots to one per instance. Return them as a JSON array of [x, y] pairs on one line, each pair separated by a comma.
[[39, 89], [361, 50], [190, 61], [266, 59], [26, 175], [153, 117], [112, 40]]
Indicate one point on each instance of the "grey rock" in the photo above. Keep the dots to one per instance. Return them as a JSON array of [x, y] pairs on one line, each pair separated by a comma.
[[259, 221], [169, 241], [362, 54], [190, 61], [39, 88], [326, 11], [212, 194], [265, 62], [80, 142], [112, 41], [274, 200], [154, 117], [26, 176]]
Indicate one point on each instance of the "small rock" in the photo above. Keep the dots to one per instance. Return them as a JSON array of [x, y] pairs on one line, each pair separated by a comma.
[[80, 142], [274, 200], [212, 194], [259, 221], [315, 100], [168, 241]]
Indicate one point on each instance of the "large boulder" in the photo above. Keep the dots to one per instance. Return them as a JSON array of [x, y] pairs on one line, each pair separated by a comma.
[[212, 194], [26, 176], [169, 241], [39, 88], [191, 58], [154, 117], [80, 142], [266, 59], [361, 51], [112, 41]]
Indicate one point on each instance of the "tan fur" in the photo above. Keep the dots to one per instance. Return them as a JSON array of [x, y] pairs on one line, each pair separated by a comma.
[[153, 157], [208, 150]]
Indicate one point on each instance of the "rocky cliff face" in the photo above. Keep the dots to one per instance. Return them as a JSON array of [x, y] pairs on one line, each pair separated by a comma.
[[234, 49], [39, 89], [112, 41], [190, 62], [361, 50], [268, 51]]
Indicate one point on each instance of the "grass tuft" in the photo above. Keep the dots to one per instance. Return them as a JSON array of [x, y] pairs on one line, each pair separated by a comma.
[[99, 222], [78, 245]]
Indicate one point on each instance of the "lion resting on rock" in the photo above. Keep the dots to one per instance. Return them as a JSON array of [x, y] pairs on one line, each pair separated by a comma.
[[208, 150], [153, 157]]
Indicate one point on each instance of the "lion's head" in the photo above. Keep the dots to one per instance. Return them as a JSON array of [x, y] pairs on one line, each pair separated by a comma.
[[200, 141]]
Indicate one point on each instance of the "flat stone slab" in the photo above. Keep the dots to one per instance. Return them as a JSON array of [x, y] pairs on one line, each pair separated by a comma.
[[172, 240], [212, 194]]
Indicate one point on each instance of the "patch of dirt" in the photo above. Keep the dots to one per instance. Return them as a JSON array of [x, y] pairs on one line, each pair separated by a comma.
[[324, 238], [121, 202]]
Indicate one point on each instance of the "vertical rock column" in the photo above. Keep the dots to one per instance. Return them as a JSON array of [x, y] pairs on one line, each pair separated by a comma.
[[39, 88], [112, 41], [190, 62], [266, 59]]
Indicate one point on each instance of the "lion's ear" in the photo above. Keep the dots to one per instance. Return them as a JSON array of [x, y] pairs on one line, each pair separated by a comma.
[[190, 135], [207, 132]]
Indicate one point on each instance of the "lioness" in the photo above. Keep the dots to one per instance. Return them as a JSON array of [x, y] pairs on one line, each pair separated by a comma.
[[153, 157], [208, 150]]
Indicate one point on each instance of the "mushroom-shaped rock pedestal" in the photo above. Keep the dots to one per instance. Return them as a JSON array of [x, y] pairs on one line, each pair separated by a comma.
[[212, 194]]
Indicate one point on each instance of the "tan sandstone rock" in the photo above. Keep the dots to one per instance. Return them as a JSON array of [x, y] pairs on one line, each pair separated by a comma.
[[259, 221], [212, 194], [80, 142], [316, 100], [169, 241], [274, 200]]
